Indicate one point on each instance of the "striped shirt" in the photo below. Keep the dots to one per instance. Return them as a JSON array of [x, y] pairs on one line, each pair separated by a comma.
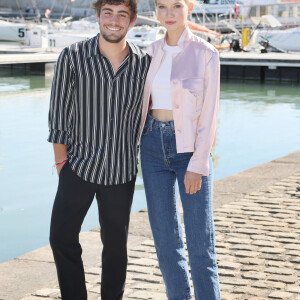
[[96, 112]]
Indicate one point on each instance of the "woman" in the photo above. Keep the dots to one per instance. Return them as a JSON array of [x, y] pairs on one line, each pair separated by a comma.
[[183, 88]]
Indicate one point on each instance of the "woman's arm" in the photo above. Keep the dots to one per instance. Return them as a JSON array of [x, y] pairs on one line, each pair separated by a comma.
[[207, 122]]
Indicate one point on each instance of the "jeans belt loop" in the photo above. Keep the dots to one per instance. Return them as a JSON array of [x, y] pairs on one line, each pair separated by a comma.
[[151, 124]]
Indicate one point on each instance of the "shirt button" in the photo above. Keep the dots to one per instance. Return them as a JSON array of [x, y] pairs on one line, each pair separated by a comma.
[[178, 131], [177, 106]]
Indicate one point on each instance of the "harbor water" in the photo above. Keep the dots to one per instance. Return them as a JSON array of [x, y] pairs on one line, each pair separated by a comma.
[[257, 123]]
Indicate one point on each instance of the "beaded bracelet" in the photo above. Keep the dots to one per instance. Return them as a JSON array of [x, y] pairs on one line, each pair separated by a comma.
[[58, 163]]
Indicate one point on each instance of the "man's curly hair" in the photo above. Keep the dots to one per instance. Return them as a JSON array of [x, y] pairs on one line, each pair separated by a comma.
[[131, 4]]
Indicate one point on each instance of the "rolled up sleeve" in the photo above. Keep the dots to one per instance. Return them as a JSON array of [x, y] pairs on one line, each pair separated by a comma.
[[208, 120], [61, 100]]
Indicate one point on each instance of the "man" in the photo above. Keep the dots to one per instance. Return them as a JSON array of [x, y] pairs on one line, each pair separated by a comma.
[[94, 119]]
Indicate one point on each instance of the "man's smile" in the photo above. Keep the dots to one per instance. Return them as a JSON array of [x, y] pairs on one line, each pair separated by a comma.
[[111, 28]]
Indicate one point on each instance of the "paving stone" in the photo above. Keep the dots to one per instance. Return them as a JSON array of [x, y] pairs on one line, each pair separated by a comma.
[[279, 271], [276, 285], [297, 267], [262, 237], [251, 261], [222, 245], [144, 262], [229, 265], [143, 269], [149, 287], [230, 296], [283, 234], [244, 247], [148, 243], [92, 279], [226, 287], [294, 207], [95, 289], [283, 278], [292, 246], [294, 289], [272, 250], [146, 249], [223, 251], [47, 292], [228, 273], [271, 285], [247, 253], [154, 256], [237, 220], [280, 295], [251, 268], [93, 271], [146, 278], [293, 253], [296, 259], [277, 257], [265, 243], [278, 264], [223, 224], [270, 224], [256, 209], [234, 281], [247, 290], [254, 275], [238, 241], [127, 292], [139, 254], [147, 295], [222, 257], [249, 231], [31, 298]]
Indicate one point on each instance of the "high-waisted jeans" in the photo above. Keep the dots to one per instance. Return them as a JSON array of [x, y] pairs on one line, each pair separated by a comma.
[[161, 167]]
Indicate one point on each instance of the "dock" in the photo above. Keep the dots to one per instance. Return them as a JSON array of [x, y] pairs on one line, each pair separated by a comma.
[[257, 221], [262, 67]]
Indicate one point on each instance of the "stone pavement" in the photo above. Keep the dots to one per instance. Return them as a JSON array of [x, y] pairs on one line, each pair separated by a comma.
[[258, 241]]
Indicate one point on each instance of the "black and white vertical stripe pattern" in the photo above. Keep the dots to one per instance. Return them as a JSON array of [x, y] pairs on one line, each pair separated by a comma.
[[96, 113]]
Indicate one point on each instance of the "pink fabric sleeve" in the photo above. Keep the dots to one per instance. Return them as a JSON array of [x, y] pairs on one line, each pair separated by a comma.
[[208, 120]]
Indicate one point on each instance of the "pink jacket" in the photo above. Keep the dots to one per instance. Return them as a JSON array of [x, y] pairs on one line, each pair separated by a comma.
[[195, 85]]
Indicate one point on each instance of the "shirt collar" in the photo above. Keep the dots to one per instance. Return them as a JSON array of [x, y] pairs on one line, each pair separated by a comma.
[[93, 48]]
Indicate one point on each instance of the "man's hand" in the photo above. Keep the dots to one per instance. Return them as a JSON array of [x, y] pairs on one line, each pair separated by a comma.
[[59, 167], [60, 153], [192, 182]]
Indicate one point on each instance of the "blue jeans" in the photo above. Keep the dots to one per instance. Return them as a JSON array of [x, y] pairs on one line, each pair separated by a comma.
[[161, 167]]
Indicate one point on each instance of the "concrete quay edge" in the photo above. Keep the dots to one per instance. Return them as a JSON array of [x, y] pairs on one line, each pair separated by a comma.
[[35, 270]]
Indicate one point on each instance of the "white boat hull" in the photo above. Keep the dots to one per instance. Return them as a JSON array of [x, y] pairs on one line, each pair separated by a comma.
[[14, 32]]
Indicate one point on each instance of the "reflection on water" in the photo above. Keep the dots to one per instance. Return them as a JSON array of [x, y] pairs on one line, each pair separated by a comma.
[[257, 123], [16, 81]]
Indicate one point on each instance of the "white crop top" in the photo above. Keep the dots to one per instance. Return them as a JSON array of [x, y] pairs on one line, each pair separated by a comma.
[[161, 86]]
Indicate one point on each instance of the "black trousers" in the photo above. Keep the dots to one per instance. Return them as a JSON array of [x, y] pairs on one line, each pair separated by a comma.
[[73, 199]]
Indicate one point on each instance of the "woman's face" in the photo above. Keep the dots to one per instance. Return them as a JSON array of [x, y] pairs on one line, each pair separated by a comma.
[[172, 14]]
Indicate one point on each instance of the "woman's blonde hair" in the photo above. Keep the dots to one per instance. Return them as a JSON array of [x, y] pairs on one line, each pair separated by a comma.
[[186, 1]]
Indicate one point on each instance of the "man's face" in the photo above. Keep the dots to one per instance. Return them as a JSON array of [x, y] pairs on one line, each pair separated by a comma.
[[114, 22]]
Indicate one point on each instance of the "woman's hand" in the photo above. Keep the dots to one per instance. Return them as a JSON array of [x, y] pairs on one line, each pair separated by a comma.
[[192, 182]]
